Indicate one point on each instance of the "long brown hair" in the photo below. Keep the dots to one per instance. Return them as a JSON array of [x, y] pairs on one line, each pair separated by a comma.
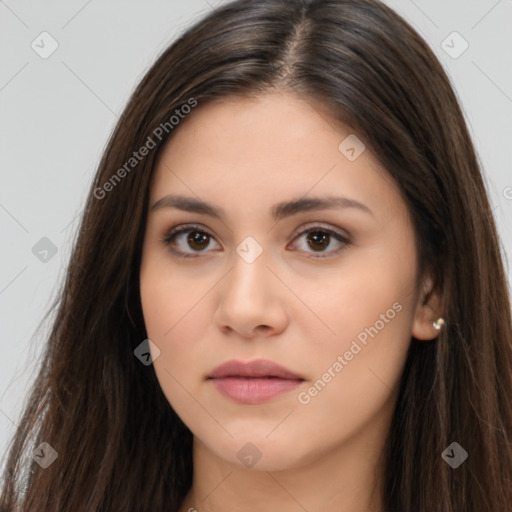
[[120, 445]]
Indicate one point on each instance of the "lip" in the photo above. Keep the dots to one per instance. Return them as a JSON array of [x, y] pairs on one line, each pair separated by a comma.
[[253, 382]]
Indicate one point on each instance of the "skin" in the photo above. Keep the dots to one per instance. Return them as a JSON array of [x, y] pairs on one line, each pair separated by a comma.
[[290, 305]]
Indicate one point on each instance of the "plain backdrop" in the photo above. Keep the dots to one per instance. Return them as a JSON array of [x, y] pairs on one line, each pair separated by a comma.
[[56, 114]]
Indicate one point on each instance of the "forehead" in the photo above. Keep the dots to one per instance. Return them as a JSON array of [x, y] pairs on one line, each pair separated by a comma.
[[273, 147]]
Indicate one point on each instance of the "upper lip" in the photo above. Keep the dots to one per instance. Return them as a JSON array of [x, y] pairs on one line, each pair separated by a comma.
[[255, 368]]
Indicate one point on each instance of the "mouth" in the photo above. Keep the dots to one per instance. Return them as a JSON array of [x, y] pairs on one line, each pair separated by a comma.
[[253, 382]]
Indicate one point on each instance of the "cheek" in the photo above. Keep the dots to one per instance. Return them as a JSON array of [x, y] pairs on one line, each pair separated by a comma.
[[365, 290], [357, 370], [175, 319], [368, 307], [168, 296]]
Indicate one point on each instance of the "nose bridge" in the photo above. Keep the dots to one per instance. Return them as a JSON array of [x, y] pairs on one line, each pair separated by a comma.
[[248, 298], [249, 277]]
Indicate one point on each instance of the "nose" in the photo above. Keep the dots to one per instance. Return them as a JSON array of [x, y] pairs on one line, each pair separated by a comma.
[[251, 300]]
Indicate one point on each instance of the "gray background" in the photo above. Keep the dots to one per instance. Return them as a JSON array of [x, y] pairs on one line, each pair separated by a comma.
[[56, 115]]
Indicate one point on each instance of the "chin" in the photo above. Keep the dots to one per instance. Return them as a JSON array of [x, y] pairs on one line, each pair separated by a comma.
[[257, 452]]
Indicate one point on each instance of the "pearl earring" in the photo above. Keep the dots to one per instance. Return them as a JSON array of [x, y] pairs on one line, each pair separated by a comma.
[[438, 323]]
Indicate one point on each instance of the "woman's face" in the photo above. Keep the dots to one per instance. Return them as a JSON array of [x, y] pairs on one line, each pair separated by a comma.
[[326, 292]]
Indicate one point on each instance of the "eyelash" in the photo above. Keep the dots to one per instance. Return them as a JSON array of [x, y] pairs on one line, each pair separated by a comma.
[[169, 237]]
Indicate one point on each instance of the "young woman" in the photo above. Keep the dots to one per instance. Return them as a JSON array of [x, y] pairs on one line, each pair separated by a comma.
[[287, 291]]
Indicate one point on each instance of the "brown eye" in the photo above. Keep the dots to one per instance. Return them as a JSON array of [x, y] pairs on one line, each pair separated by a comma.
[[318, 240], [196, 241]]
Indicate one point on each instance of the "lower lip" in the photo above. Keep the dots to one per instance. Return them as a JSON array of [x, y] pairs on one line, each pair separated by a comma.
[[253, 390]]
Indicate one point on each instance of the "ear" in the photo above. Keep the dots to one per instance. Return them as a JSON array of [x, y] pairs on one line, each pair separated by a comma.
[[428, 310]]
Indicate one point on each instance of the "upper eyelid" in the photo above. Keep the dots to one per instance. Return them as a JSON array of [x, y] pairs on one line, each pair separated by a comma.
[[179, 229]]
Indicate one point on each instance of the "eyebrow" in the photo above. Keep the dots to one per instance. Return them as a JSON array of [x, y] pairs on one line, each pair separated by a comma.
[[279, 210]]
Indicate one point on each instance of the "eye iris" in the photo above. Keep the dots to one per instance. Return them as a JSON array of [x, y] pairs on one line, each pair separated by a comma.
[[317, 237], [196, 237]]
